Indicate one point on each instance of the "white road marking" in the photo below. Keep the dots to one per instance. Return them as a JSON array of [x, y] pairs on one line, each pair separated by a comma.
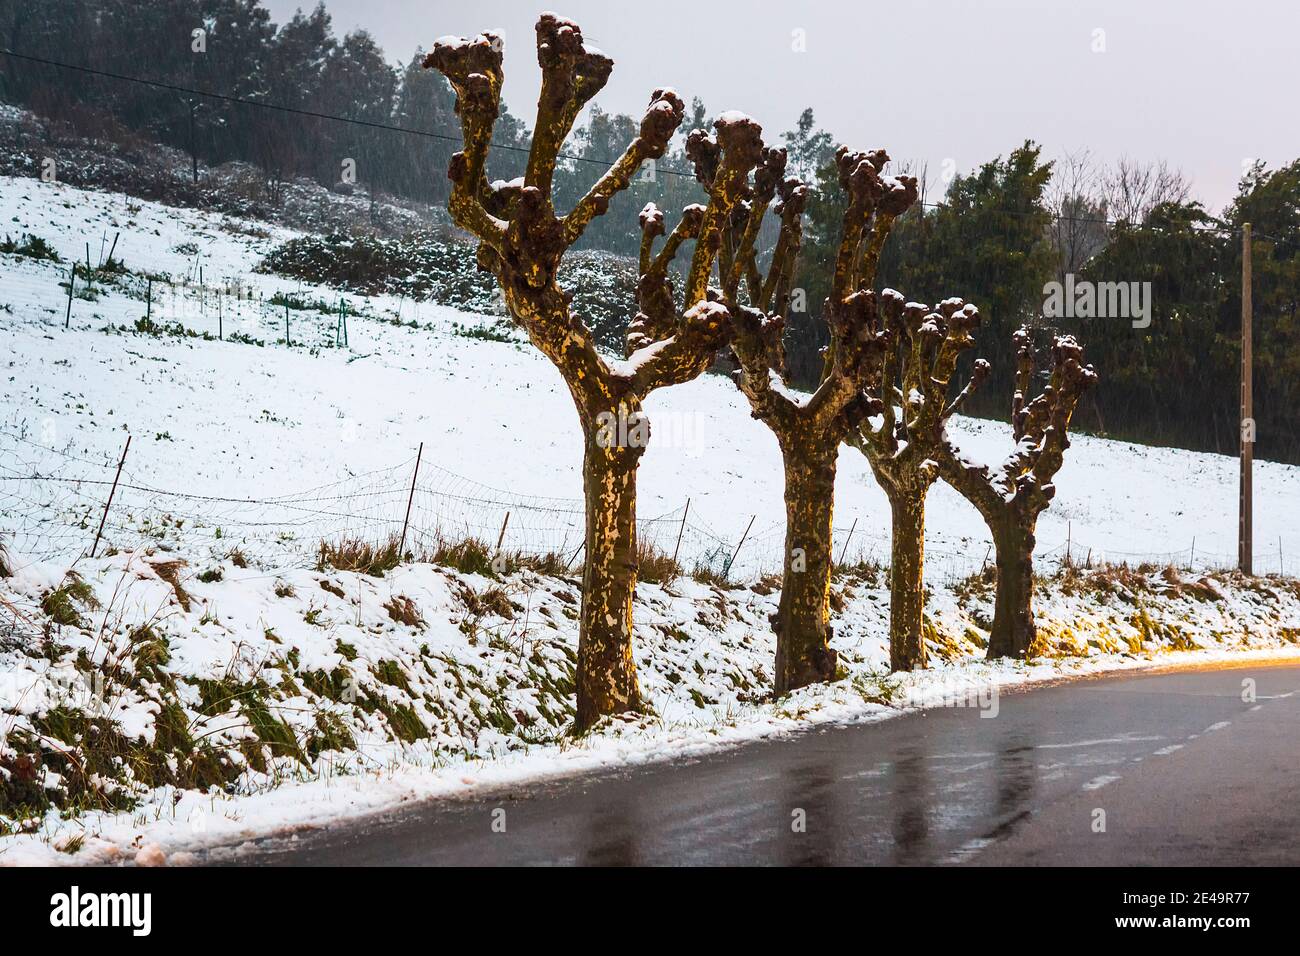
[[1098, 743], [967, 850], [1096, 783]]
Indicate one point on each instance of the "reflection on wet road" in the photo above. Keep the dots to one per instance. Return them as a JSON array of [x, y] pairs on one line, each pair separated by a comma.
[[1180, 766]]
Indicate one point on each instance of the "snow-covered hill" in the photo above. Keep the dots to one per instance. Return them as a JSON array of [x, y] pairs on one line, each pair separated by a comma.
[[202, 661], [237, 420]]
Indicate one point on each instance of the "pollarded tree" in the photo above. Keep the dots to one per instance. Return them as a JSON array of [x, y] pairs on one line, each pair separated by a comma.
[[1013, 495], [911, 405], [809, 429], [522, 241]]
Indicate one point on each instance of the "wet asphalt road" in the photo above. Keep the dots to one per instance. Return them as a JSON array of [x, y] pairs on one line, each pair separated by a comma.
[[1185, 771]]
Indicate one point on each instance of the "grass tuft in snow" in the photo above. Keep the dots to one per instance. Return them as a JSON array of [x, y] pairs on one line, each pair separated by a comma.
[[31, 246], [655, 566], [354, 554], [403, 610], [63, 605]]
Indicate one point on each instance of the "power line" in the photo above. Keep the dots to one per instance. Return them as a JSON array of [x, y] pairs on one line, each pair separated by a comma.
[[314, 114], [452, 138]]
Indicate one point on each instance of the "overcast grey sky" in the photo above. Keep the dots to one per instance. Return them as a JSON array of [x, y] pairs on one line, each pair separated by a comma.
[[1206, 84]]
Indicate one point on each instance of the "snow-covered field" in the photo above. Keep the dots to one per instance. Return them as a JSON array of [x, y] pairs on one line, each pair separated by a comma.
[[233, 420], [246, 452]]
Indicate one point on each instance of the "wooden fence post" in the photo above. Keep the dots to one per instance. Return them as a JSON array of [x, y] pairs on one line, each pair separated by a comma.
[[727, 569], [847, 540], [108, 504], [415, 474], [680, 530], [72, 281]]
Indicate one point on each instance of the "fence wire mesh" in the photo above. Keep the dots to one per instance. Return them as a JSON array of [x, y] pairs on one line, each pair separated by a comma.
[[52, 501]]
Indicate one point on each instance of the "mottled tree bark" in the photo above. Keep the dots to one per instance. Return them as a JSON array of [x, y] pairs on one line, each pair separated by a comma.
[[1013, 630], [522, 242], [1011, 497], [606, 676], [809, 431], [913, 405], [907, 582], [803, 634]]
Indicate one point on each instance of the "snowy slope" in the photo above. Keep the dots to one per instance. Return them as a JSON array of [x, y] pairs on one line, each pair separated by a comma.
[[247, 421], [246, 453]]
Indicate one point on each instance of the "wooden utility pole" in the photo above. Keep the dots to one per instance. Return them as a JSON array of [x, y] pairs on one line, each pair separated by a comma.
[[1244, 538]]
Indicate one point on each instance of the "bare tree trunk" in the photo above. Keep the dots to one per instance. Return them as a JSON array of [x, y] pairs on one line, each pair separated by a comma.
[[1013, 629], [606, 679], [803, 631], [906, 582]]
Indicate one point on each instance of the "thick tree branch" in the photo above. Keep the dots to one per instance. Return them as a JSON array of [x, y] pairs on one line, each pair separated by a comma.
[[899, 195], [979, 372], [661, 120], [474, 70], [859, 343], [725, 166], [651, 221], [686, 354], [774, 295], [1023, 482], [657, 315], [767, 177], [572, 73]]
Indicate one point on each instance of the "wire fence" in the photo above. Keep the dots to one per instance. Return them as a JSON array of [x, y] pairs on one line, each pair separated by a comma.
[[52, 501], [193, 295]]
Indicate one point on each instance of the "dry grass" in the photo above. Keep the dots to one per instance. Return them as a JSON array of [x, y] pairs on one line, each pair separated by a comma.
[[1126, 580], [354, 554], [492, 601], [1110, 578], [6, 565], [978, 584], [867, 570], [1202, 589], [64, 604], [170, 571], [404, 611], [473, 556], [655, 566], [468, 556], [704, 574]]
